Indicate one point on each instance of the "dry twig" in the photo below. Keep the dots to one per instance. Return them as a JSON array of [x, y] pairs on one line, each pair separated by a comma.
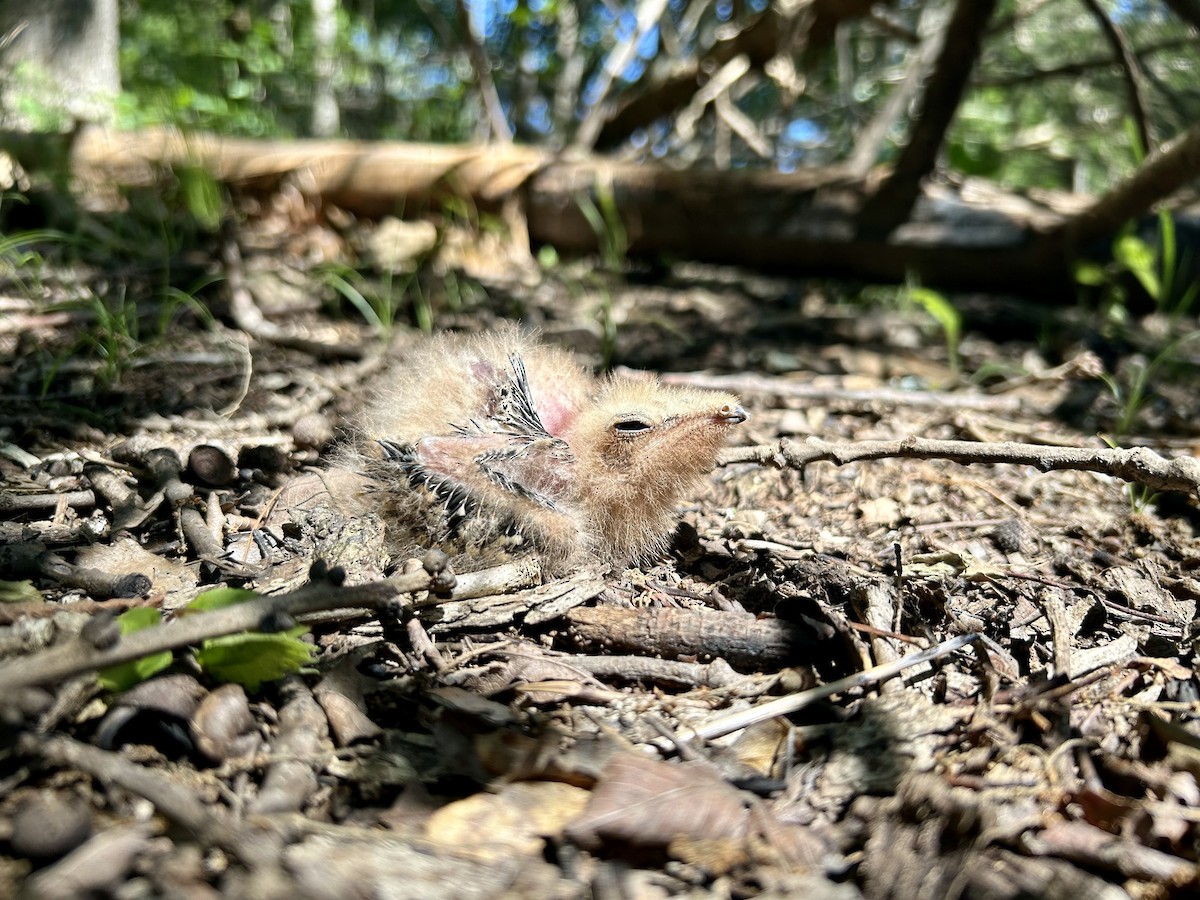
[[1130, 70], [782, 706], [1139, 465], [179, 803], [77, 657]]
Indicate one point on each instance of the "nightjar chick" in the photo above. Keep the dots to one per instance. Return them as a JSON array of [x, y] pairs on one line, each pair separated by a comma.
[[497, 439]]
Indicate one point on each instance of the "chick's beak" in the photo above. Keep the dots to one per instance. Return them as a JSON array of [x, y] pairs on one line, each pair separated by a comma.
[[732, 415]]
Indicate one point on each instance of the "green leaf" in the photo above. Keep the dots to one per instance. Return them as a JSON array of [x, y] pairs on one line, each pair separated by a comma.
[[19, 592], [1091, 274], [125, 675], [975, 158], [1135, 140], [202, 195], [1138, 257], [251, 658], [944, 313], [138, 619], [364, 306], [1166, 241], [219, 598]]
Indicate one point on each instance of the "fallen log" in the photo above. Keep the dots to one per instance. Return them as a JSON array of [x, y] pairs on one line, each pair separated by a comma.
[[976, 236]]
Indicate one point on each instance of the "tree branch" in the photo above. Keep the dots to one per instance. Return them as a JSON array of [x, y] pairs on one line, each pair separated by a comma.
[[871, 138], [483, 74], [1139, 465], [1130, 71], [892, 204], [649, 12], [1074, 69], [1157, 178], [76, 657], [760, 41]]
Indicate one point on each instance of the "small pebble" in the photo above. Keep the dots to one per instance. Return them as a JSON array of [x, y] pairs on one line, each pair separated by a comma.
[[223, 725], [312, 432], [50, 826]]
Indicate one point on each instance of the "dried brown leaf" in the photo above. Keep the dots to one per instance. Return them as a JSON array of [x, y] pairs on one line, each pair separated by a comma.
[[516, 820], [647, 803]]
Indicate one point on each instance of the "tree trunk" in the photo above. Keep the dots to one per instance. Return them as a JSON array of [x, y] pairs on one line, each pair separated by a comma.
[[326, 117], [58, 57], [801, 222], [893, 202]]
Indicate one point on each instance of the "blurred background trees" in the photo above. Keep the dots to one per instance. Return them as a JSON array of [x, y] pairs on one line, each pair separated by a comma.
[[1029, 97], [729, 84]]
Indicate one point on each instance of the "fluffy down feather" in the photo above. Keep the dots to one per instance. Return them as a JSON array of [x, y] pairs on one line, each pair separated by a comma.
[[495, 439]]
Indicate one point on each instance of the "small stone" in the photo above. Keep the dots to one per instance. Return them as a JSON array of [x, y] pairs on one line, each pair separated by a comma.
[[312, 432], [398, 246], [223, 725], [102, 631], [50, 826], [211, 465]]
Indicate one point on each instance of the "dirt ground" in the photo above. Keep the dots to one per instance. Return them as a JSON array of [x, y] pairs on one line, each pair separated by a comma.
[[1029, 732]]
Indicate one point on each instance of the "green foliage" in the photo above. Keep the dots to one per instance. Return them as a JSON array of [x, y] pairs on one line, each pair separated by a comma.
[[218, 598], [174, 300], [251, 658], [19, 592], [935, 305], [252, 70], [1132, 388], [1140, 496], [113, 339], [942, 311], [1043, 109], [605, 221], [1176, 293], [146, 237], [982, 128], [209, 68], [612, 239], [608, 327], [1051, 101], [125, 675], [21, 252], [18, 256], [379, 304], [248, 659], [376, 310], [459, 292], [35, 100], [202, 196], [1160, 273]]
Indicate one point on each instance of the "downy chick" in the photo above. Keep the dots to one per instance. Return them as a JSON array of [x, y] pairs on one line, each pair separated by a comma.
[[486, 437]]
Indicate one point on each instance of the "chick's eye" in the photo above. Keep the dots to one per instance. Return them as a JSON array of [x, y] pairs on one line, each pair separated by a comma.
[[631, 426]]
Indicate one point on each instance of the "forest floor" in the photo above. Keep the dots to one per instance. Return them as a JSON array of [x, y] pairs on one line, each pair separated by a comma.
[[1032, 734]]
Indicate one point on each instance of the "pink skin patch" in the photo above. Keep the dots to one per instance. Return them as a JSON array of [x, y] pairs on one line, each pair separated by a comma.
[[556, 412], [483, 371]]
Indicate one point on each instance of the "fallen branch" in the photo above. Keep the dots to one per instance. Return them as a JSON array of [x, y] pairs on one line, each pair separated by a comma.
[[255, 846], [741, 639], [790, 703], [1131, 71], [79, 656], [1138, 465], [797, 390], [1162, 174]]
